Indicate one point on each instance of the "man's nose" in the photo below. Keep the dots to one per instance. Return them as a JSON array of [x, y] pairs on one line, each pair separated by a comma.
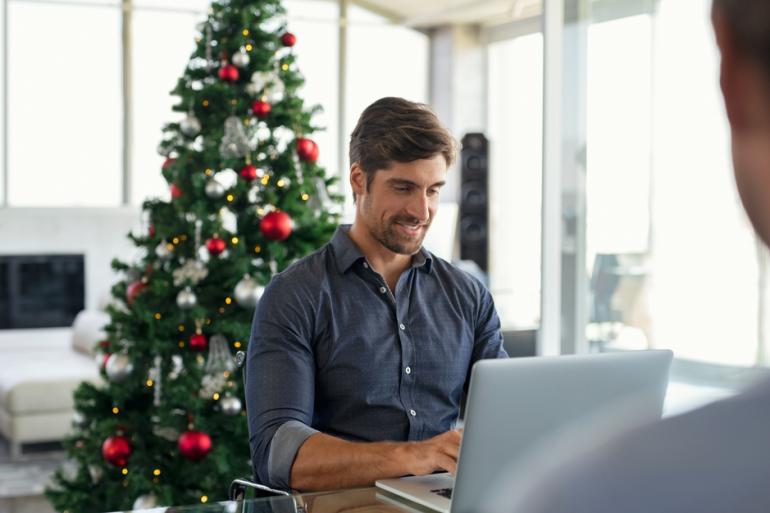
[[419, 207]]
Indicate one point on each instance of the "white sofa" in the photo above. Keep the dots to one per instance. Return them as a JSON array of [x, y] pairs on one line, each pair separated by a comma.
[[39, 371]]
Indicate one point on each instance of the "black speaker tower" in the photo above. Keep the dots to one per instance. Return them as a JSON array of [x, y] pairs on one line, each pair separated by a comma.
[[474, 200]]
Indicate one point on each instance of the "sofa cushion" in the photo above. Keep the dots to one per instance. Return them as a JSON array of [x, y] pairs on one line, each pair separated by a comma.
[[88, 329], [43, 381]]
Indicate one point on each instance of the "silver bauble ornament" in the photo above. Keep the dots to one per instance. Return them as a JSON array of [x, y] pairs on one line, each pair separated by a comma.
[[247, 292], [162, 251], [231, 406], [146, 501], [190, 126], [240, 59], [118, 367], [214, 189], [186, 299]]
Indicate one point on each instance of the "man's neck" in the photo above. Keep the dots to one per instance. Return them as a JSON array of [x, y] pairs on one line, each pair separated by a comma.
[[387, 263]]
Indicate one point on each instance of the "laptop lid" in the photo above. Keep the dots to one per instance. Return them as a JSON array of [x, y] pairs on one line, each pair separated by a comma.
[[515, 404]]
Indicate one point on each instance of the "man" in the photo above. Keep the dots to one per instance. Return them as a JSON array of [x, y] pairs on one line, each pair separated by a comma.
[[717, 458], [360, 353]]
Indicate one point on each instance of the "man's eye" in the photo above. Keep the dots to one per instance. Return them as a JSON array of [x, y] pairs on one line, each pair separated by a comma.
[[402, 189], [433, 192]]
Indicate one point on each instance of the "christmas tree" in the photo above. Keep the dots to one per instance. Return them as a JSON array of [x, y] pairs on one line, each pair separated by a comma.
[[166, 426]]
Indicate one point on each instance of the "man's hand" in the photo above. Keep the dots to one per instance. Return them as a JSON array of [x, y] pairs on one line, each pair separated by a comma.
[[437, 453], [324, 462]]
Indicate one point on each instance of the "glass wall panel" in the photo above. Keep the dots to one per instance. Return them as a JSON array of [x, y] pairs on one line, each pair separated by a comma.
[[515, 110]]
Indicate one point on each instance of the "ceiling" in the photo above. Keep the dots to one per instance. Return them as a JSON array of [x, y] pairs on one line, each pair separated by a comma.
[[424, 14]]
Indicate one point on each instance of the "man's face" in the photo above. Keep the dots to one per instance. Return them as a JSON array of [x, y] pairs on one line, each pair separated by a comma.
[[399, 204]]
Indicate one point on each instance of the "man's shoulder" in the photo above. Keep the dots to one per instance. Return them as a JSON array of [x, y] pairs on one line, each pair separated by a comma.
[[307, 273], [458, 277]]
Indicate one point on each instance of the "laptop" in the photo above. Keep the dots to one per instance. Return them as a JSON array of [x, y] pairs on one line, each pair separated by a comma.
[[514, 404]]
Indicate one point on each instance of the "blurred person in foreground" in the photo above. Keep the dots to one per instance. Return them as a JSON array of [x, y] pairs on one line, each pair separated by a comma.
[[716, 458]]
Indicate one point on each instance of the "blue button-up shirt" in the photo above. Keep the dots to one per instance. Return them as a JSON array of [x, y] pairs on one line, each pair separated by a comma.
[[334, 350]]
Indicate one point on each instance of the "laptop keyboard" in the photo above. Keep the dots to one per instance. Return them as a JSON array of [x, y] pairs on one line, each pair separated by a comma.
[[444, 492]]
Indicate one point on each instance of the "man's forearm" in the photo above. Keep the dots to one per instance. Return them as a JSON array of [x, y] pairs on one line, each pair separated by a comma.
[[324, 462]]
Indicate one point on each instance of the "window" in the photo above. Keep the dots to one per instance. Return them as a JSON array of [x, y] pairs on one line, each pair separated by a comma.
[[64, 109], [515, 110], [156, 69], [676, 262]]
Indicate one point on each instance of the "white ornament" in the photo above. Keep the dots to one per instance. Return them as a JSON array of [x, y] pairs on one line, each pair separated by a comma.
[[248, 292], [186, 299], [240, 59], [214, 189], [146, 501], [163, 252], [228, 219], [118, 367], [190, 126], [220, 360], [192, 271], [259, 81], [231, 405], [227, 177], [96, 473], [276, 91]]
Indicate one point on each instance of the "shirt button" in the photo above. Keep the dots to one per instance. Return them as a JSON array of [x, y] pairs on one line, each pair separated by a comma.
[[366, 266], [402, 326], [408, 370], [412, 413], [383, 290]]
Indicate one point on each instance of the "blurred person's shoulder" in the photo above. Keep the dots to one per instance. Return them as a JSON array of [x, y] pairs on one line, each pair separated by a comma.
[[713, 459]]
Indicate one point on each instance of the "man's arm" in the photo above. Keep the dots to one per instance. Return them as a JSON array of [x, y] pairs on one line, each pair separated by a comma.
[[327, 463]]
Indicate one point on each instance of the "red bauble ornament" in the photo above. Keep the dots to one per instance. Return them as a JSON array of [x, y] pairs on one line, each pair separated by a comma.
[[228, 73], [215, 245], [288, 39], [249, 173], [199, 342], [276, 225], [168, 162], [133, 290], [116, 450], [307, 149], [151, 230], [194, 445], [176, 192], [260, 108]]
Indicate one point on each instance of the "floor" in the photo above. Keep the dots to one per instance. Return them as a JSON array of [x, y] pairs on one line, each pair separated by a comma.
[[22, 482]]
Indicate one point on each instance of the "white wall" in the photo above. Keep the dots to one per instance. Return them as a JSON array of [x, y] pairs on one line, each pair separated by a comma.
[[98, 233]]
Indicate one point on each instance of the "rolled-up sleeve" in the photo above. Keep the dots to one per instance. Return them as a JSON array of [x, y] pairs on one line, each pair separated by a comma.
[[279, 381]]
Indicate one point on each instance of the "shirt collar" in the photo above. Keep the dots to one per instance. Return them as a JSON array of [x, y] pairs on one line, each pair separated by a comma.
[[346, 253]]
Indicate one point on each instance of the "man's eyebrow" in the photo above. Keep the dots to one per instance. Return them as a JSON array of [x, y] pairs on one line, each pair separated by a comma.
[[404, 181]]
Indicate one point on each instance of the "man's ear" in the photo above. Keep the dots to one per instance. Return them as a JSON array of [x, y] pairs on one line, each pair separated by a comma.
[[357, 179], [731, 71]]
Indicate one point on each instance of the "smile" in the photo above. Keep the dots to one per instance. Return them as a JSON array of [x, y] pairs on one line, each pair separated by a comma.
[[411, 230]]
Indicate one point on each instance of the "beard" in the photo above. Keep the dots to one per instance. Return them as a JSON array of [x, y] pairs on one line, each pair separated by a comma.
[[388, 233]]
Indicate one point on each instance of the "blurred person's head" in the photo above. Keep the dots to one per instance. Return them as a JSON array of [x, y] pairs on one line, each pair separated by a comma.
[[743, 35], [399, 155]]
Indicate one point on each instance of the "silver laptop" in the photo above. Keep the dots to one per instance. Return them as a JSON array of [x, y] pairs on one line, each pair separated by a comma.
[[514, 404]]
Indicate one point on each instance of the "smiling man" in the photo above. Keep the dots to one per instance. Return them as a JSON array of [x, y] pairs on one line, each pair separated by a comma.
[[360, 353]]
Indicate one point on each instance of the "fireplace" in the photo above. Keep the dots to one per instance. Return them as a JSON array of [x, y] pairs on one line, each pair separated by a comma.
[[41, 291]]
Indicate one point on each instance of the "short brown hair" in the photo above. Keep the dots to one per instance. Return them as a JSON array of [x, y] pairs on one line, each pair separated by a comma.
[[750, 21], [397, 130]]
